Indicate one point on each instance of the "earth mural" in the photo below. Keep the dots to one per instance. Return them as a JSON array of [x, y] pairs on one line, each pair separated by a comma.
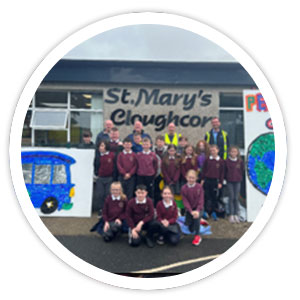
[[260, 162]]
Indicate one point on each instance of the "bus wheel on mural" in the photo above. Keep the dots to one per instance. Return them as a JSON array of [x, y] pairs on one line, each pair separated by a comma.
[[49, 205], [260, 162]]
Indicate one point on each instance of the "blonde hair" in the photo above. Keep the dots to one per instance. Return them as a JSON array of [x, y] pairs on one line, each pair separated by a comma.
[[118, 183], [191, 171]]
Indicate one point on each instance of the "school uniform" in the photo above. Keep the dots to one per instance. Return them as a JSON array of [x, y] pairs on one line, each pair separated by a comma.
[[147, 169], [114, 208], [137, 211], [212, 174], [127, 163], [185, 167], [171, 174], [105, 169], [193, 199], [114, 146], [234, 171], [168, 211]]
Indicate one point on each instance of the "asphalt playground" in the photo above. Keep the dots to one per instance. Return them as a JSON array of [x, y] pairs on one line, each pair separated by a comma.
[[118, 257]]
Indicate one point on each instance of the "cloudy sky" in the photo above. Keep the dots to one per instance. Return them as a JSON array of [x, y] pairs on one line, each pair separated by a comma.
[[149, 42]]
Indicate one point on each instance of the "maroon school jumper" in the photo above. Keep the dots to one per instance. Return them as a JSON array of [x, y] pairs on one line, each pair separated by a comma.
[[170, 213], [170, 172], [136, 212], [184, 168], [114, 209], [114, 145], [234, 170], [193, 197], [127, 163], [213, 169], [147, 164], [106, 168]]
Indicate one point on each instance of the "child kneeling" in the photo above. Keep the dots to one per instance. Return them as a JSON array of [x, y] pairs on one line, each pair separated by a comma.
[[139, 216], [167, 215]]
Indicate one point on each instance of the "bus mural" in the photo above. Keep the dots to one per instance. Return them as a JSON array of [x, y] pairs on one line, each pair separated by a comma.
[[47, 177]]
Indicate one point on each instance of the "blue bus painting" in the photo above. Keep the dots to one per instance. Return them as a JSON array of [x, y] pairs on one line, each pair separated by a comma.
[[47, 178]]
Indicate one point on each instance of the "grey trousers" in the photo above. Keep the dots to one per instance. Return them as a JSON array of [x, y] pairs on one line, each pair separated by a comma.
[[102, 190], [234, 193]]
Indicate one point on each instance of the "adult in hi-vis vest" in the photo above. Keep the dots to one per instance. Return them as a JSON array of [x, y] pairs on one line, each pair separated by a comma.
[[218, 137], [172, 137]]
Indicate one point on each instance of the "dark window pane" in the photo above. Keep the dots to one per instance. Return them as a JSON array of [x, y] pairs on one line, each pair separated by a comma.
[[52, 138], [231, 100], [85, 100], [233, 123], [51, 99], [26, 134]]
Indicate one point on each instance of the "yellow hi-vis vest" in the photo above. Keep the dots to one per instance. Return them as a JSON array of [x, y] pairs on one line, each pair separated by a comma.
[[224, 134], [174, 141]]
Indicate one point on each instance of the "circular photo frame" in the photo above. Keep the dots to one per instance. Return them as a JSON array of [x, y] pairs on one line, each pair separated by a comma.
[[159, 19]]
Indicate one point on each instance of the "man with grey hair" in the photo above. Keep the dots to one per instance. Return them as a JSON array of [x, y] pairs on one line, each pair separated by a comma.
[[138, 128], [104, 134]]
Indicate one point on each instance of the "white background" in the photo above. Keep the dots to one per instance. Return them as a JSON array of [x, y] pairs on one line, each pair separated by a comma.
[[268, 32]]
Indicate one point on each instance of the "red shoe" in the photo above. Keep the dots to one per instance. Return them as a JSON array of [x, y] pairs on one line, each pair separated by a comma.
[[197, 240]]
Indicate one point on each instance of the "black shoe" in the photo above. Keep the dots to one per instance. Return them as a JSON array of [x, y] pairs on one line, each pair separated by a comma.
[[149, 242]]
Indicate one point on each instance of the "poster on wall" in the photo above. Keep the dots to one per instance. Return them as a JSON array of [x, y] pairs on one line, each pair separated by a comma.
[[260, 151], [59, 181]]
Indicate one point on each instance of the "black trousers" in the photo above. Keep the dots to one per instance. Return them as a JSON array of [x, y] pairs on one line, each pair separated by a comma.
[[193, 224], [112, 232], [170, 233], [128, 186], [148, 181], [211, 195]]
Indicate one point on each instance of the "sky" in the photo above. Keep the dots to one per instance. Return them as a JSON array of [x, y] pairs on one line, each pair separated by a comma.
[[150, 42]]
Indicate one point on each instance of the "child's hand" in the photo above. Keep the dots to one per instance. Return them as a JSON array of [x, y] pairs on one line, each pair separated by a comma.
[[219, 185], [139, 226], [195, 214], [202, 182], [106, 226], [135, 235], [165, 223], [127, 176], [118, 221]]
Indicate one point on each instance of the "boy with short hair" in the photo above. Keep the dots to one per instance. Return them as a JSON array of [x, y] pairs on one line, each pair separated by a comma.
[[139, 216], [182, 142], [137, 143], [127, 166], [147, 166], [114, 143]]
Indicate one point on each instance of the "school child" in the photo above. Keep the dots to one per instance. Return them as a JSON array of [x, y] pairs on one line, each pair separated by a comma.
[[202, 150], [234, 171], [193, 200], [212, 177], [147, 165], [114, 142], [114, 212], [137, 143], [182, 142], [139, 216], [160, 148], [104, 169], [171, 169], [188, 162], [127, 166], [167, 215]]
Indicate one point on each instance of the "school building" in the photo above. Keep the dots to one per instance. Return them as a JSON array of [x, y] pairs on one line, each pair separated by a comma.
[[78, 95]]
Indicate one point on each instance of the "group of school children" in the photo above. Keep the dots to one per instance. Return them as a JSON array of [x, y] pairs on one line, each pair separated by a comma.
[[129, 186]]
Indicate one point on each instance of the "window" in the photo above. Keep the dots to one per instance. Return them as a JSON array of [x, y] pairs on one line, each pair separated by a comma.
[[231, 100], [58, 118], [27, 172], [42, 174], [59, 174]]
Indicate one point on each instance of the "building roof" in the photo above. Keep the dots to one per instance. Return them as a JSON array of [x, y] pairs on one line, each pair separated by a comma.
[[149, 72]]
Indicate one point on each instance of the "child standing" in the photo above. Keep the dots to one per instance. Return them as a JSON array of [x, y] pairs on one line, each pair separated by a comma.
[[104, 168], [167, 215], [160, 148], [234, 170], [139, 216], [193, 199], [182, 142], [127, 166], [115, 144], [188, 162], [147, 165], [202, 150], [137, 143], [171, 169], [114, 212], [212, 177]]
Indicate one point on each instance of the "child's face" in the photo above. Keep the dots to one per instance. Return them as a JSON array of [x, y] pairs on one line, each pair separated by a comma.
[[191, 178], [172, 152], [127, 146], [201, 146], [146, 146], [233, 153], [167, 195], [102, 148], [182, 143], [87, 139], [114, 135], [115, 190], [213, 151], [141, 194], [137, 139], [160, 143], [189, 151]]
